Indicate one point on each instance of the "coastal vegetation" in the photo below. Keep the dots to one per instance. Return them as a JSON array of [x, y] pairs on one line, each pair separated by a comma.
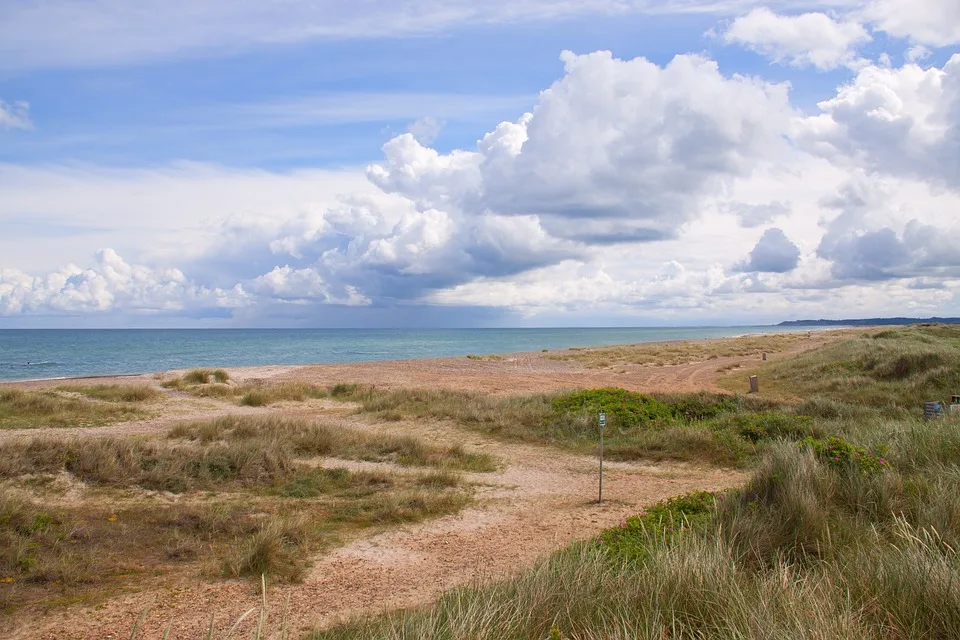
[[486, 358], [849, 527], [235, 496], [216, 383], [712, 428], [683, 352], [74, 406]]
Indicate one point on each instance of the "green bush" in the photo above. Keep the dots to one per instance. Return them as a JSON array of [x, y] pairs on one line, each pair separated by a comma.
[[625, 409], [840, 454], [766, 425], [636, 535]]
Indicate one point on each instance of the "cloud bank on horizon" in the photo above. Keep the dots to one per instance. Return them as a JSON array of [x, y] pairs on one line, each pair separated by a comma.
[[798, 159]]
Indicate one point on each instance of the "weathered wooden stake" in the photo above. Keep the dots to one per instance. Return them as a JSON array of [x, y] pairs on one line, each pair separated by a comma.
[[600, 497], [603, 424], [754, 384]]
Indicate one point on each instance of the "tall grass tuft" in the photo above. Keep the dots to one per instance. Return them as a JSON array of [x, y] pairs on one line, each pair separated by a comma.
[[21, 409], [280, 548]]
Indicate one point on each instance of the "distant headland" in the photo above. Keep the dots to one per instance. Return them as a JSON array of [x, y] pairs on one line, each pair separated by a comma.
[[858, 322]]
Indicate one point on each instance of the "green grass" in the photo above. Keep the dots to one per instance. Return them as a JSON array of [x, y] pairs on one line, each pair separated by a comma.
[[894, 370], [711, 428], [64, 408], [848, 528]]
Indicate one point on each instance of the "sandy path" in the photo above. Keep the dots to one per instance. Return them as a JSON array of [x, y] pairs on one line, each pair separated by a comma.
[[542, 499]]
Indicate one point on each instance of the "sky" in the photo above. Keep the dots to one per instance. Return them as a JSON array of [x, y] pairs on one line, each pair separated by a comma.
[[427, 163]]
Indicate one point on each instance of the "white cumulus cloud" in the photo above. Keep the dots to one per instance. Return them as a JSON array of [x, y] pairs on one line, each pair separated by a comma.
[[110, 284], [625, 190], [930, 22], [809, 39], [903, 121]]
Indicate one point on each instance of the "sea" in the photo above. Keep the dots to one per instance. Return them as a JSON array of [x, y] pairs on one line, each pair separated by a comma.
[[34, 354]]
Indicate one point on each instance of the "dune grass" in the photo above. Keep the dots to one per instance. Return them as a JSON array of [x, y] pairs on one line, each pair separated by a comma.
[[680, 352], [306, 438], [485, 358], [203, 376], [711, 428], [251, 502], [262, 395], [228, 451], [72, 406], [893, 369], [115, 392], [216, 383], [854, 533], [56, 555]]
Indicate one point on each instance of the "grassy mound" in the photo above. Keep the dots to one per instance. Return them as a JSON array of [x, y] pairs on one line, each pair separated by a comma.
[[624, 409], [703, 427], [891, 369], [73, 406]]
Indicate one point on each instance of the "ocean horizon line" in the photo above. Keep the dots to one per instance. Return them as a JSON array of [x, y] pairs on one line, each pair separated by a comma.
[[49, 354]]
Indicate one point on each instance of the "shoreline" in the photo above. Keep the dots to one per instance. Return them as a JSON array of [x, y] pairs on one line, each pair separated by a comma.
[[248, 372]]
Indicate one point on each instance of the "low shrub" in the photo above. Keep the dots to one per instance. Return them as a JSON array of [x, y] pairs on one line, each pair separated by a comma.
[[624, 409], [636, 535], [838, 453]]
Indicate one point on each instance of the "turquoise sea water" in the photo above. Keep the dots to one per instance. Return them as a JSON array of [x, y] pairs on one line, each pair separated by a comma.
[[27, 354]]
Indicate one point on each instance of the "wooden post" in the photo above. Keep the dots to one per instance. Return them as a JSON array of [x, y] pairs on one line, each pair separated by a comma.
[[603, 424], [754, 385], [600, 496], [764, 356]]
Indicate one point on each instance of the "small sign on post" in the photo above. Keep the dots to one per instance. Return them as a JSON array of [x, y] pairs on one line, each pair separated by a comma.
[[603, 425], [932, 410]]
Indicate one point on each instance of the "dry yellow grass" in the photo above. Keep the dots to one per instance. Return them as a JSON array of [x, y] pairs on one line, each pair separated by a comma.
[[80, 518], [73, 406], [684, 352]]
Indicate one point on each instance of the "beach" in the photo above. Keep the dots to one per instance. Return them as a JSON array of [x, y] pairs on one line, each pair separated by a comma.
[[539, 499]]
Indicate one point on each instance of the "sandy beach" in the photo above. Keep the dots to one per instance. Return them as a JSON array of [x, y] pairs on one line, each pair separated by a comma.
[[539, 500]]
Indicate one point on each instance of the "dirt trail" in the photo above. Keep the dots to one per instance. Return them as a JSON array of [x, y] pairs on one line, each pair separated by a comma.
[[542, 499]]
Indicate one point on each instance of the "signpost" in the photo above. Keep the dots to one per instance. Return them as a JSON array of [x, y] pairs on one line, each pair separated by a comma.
[[603, 424]]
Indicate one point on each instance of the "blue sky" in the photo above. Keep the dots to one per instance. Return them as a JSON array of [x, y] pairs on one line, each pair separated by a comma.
[[249, 164]]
